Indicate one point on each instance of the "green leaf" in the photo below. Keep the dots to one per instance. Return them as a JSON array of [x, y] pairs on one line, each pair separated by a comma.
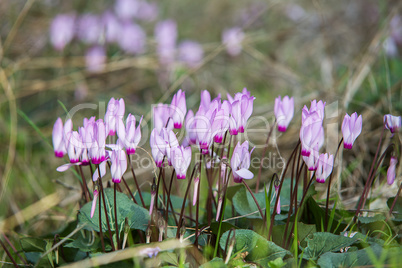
[[376, 218], [169, 257], [258, 248], [138, 217], [214, 263], [244, 203], [32, 244], [363, 257], [277, 263], [397, 207], [320, 243]]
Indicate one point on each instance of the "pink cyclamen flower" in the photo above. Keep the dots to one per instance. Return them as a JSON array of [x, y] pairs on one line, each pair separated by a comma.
[[351, 129], [112, 27], [93, 207], [191, 133], [90, 28], [221, 121], [233, 38], [316, 107], [391, 170], [59, 144], [278, 208], [95, 59], [240, 162], [284, 110], [74, 146], [241, 112], [161, 117], [119, 165], [127, 9], [97, 150], [178, 108], [114, 113], [129, 135], [325, 166], [181, 159], [391, 122], [203, 129], [312, 160], [62, 30], [311, 134], [156, 153]]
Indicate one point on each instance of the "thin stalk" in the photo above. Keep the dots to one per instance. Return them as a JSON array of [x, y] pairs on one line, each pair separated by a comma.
[[197, 206], [262, 157], [255, 200], [135, 180], [13, 248], [100, 222], [279, 190], [184, 201], [115, 218], [106, 216], [157, 188], [220, 225], [359, 206], [169, 201], [8, 254], [84, 183], [329, 189]]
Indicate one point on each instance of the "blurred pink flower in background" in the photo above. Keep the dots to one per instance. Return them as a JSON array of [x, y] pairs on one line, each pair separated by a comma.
[[148, 11], [89, 28], [112, 27], [190, 53], [95, 59], [127, 9], [233, 38], [165, 37], [62, 30], [132, 38]]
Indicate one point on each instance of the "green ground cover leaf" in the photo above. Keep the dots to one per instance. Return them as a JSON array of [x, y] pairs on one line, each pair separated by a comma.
[[258, 248], [138, 217]]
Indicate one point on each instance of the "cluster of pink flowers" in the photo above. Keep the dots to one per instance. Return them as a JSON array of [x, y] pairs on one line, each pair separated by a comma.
[[88, 144]]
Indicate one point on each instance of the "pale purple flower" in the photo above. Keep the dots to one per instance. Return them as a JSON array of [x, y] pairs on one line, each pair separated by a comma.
[[164, 142], [114, 113], [396, 29], [147, 11], [393, 123], [240, 162], [97, 150], [294, 12], [351, 129], [233, 38], [101, 170], [112, 27], [119, 165], [190, 53], [90, 28], [95, 59], [195, 193], [241, 112], [181, 159], [58, 139], [74, 146], [156, 153], [132, 39], [312, 160], [316, 107], [96, 194], [311, 134], [127, 9], [238, 95], [284, 110], [221, 121], [178, 108], [165, 37], [190, 124], [62, 30], [129, 135], [161, 117], [391, 170], [278, 208], [325, 166], [203, 129]]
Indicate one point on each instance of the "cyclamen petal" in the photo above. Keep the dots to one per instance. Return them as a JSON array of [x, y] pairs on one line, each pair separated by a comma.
[[391, 172], [351, 129], [325, 166], [178, 108], [58, 139], [240, 162], [93, 207], [393, 123], [119, 165], [284, 111]]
